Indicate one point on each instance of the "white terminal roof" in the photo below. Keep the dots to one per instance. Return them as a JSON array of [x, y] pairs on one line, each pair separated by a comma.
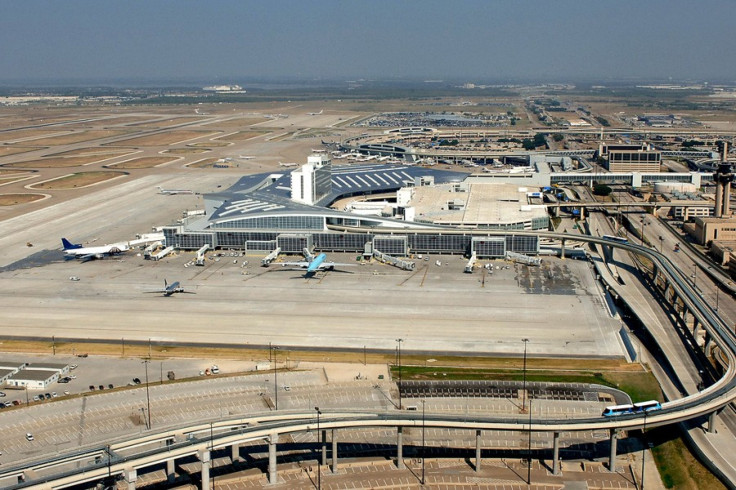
[[482, 204]]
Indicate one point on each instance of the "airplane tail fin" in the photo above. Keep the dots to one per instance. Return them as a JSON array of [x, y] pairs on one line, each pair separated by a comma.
[[166, 284], [69, 245]]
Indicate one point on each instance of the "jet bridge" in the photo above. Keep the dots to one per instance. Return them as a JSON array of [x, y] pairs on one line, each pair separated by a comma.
[[200, 254], [523, 259], [270, 257], [387, 259]]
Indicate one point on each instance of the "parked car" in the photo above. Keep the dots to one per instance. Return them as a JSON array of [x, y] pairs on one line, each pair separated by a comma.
[[91, 387], [110, 386], [137, 381], [47, 396], [36, 398], [102, 387], [2, 394], [29, 436], [73, 366], [54, 394]]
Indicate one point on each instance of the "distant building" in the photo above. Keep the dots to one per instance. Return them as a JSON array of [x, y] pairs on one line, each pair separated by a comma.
[[231, 89], [706, 230], [630, 158]]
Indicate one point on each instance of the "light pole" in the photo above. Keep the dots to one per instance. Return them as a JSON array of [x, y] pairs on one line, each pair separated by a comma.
[[399, 341], [523, 400], [319, 456], [661, 241], [643, 224], [148, 395], [275, 381], [529, 461], [423, 445], [643, 448]]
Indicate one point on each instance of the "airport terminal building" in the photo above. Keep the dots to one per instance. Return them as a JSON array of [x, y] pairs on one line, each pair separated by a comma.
[[290, 211]]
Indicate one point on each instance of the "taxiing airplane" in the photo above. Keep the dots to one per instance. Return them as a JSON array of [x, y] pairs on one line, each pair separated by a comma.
[[288, 164], [161, 190], [77, 251], [314, 264], [315, 113], [170, 289], [246, 157]]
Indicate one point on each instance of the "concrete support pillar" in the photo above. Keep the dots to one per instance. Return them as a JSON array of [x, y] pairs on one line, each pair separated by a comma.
[[131, 476], [204, 457], [324, 447], [400, 448], [562, 249], [334, 450], [477, 450], [712, 422], [171, 470], [556, 453], [612, 456], [273, 477]]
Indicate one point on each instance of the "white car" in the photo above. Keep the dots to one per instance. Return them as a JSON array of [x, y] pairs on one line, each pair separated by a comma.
[[29, 436], [2, 394]]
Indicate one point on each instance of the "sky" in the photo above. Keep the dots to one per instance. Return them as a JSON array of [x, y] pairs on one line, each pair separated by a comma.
[[472, 40]]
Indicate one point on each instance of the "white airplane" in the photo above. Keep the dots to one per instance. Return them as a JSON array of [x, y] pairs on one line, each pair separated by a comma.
[[77, 251], [161, 190], [315, 113], [288, 164], [170, 289], [246, 157], [314, 264]]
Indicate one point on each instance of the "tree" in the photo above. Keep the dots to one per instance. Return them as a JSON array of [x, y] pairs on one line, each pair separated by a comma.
[[558, 137], [601, 190]]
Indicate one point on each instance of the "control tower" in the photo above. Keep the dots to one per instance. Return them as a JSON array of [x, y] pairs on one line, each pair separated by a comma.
[[723, 178]]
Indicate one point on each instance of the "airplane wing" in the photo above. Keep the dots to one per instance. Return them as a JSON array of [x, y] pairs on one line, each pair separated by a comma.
[[333, 264]]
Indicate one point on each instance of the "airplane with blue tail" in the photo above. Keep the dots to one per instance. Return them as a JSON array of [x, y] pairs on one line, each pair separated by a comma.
[[77, 251], [313, 264]]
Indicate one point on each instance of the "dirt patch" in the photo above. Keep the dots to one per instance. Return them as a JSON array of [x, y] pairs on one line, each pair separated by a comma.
[[13, 150], [144, 162], [239, 122], [66, 139], [75, 181], [162, 139], [28, 133], [206, 163], [186, 151], [240, 136], [81, 152], [165, 123], [59, 162], [206, 144], [12, 199]]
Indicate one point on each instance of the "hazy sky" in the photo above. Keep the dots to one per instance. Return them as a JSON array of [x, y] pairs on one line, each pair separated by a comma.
[[473, 39]]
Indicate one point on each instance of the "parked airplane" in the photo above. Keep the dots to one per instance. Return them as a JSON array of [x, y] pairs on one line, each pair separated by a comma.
[[161, 190], [170, 289], [314, 264], [315, 113], [76, 250], [288, 164], [246, 157]]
